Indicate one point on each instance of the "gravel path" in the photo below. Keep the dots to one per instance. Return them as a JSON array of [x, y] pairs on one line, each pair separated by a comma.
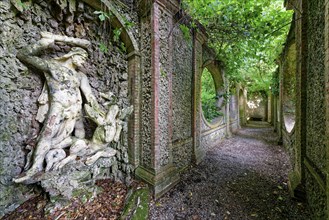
[[244, 177]]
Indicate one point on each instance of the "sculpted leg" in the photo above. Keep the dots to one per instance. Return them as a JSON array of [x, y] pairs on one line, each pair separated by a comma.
[[54, 156], [108, 152], [65, 161], [79, 148], [49, 130]]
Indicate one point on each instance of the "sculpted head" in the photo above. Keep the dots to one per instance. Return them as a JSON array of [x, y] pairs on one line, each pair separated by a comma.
[[77, 55]]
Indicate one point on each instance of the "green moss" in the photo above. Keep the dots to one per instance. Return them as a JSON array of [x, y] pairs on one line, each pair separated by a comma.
[[294, 180], [84, 194], [137, 205], [5, 136]]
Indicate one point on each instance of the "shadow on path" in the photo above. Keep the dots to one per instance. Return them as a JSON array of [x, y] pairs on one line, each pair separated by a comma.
[[244, 177]]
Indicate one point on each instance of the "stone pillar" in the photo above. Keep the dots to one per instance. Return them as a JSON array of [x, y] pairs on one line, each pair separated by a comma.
[[327, 92], [266, 99], [227, 107], [156, 165], [240, 122], [269, 109], [245, 104], [134, 60], [198, 41], [280, 103], [302, 79], [275, 113]]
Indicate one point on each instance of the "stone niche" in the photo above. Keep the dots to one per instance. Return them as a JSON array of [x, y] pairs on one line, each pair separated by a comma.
[[289, 88], [214, 130], [256, 107], [106, 69]]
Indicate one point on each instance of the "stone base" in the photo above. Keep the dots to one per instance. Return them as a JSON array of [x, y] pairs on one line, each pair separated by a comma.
[[198, 155], [294, 180], [76, 179], [161, 182]]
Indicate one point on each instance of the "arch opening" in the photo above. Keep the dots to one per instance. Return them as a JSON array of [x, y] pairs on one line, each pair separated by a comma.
[[212, 98], [289, 88]]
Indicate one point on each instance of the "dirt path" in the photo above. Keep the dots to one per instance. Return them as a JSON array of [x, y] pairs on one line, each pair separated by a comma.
[[244, 177]]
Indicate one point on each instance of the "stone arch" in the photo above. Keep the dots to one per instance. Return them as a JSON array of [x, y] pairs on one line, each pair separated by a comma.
[[117, 21], [289, 87], [215, 70]]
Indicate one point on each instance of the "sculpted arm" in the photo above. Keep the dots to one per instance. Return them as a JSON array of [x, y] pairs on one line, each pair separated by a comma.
[[65, 39], [92, 108], [29, 54]]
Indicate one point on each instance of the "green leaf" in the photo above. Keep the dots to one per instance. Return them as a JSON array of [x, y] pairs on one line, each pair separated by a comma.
[[103, 47], [116, 34], [102, 15]]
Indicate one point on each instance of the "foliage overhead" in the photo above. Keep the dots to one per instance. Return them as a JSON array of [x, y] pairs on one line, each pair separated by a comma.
[[248, 36]]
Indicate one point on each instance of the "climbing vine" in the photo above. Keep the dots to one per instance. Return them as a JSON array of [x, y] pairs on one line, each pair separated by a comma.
[[247, 35], [105, 17]]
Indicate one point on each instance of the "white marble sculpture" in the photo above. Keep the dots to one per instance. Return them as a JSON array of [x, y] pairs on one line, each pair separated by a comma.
[[60, 109]]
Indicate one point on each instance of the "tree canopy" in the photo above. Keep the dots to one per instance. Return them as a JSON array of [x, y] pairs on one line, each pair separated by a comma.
[[247, 35]]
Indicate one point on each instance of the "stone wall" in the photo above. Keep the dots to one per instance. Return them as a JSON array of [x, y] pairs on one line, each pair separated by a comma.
[[315, 110], [182, 98], [311, 128], [166, 132], [146, 105], [219, 128], [234, 112], [288, 76], [21, 87]]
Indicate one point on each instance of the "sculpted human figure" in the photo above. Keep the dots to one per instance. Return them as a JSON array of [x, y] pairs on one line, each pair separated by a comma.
[[108, 130], [65, 86]]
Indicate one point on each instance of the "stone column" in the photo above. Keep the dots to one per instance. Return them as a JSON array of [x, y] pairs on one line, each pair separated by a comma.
[[270, 109], [198, 41], [275, 113], [327, 92], [134, 60], [245, 104], [280, 100], [238, 87], [156, 165], [227, 107]]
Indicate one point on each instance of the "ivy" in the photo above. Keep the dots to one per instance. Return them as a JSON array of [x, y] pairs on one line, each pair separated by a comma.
[[116, 34], [275, 84], [103, 15], [102, 47], [247, 36], [186, 32]]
